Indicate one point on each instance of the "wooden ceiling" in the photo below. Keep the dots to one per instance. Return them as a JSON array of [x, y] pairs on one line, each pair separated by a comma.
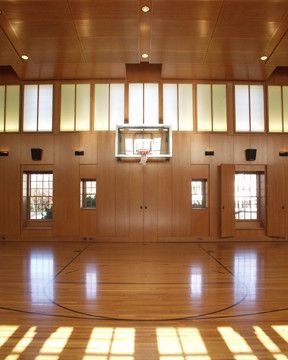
[[80, 39]]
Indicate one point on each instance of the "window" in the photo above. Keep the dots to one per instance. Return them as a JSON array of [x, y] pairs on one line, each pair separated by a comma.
[[278, 108], [9, 108], [178, 106], [88, 194], [38, 105], [211, 107], [108, 106], [143, 104], [249, 196], [249, 108], [199, 194], [38, 195], [75, 107]]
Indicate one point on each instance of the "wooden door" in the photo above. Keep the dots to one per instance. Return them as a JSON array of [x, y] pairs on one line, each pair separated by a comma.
[[276, 200], [150, 201], [136, 202], [227, 202]]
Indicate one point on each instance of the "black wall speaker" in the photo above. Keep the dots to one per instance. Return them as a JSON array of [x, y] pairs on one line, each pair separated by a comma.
[[36, 154], [250, 154], [283, 153], [209, 153], [79, 153], [4, 153]]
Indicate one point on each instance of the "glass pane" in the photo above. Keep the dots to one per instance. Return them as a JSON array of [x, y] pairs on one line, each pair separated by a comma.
[[257, 108], [242, 108], [219, 107], [246, 200], [83, 107], [101, 107], [204, 121], [12, 107], [2, 103], [170, 111], [67, 107], [285, 107], [274, 109], [185, 107], [151, 104], [135, 104], [116, 105], [30, 108], [45, 107]]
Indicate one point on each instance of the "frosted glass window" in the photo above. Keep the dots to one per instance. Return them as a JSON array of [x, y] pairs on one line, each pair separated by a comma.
[[101, 107], [30, 108], [135, 104], [275, 108], [82, 107], [185, 98], [45, 111], [151, 104], [38, 105], [257, 108], [170, 108], [12, 108], [219, 107], [204, 120], [285, 107], [117, 92], [242, 107], [67, 118], [2, 103]]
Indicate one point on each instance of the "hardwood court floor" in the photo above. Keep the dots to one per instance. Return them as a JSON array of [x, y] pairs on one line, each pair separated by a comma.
[[166, 301]]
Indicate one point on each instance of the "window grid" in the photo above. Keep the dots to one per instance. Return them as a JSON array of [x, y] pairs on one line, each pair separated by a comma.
[[77, 120], [88, 194], [38, 188], [246, 196], [199, 194], [213, 111], [251, 101], [50, 125]]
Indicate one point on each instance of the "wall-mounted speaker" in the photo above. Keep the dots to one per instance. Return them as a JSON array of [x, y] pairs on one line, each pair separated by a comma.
[[4, 153], [283, 153], [250, 154], [36, 154], [209, 153], [79, 153]]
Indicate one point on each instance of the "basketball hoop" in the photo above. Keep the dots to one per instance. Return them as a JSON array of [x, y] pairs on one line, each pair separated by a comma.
[[143, 153]]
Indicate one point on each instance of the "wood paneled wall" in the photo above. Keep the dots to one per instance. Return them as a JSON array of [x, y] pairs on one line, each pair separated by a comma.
[[136, 203]]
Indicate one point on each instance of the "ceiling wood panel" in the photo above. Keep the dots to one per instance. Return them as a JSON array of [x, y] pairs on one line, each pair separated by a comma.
[[191, 39]]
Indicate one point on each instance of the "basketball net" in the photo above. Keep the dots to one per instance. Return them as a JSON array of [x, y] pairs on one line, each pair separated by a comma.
[[143, 153]]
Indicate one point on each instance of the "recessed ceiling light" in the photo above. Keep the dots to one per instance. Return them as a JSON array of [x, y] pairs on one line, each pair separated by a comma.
[[264, 57], [145, 8], [24, 57], [145, 56]]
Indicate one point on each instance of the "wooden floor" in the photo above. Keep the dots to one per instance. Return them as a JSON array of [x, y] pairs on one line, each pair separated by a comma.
[[167, 301]]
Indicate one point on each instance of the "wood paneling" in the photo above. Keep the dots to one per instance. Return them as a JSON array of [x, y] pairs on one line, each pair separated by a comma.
[[44, 142], [191, 39], [277, 200], [106, 186], [227, 173], [181, 184], [123, 186], [66, 186]]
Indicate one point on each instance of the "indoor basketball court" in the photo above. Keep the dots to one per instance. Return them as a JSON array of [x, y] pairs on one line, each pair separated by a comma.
[[143, 180]]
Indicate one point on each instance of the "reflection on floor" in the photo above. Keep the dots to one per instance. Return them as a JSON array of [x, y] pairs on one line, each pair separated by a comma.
[[170, 301]]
